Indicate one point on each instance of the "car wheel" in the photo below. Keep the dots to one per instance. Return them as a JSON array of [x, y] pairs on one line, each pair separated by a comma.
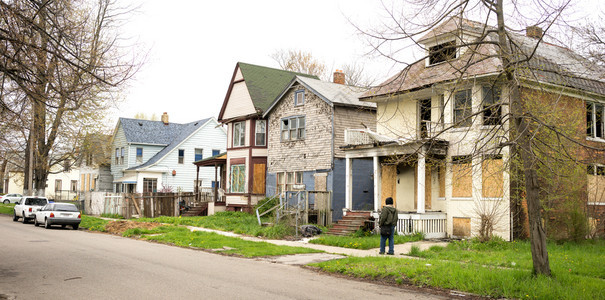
[[75, 226], [6, 201], [15, 218], [46, 224], [36, 222], [24, 218], [63, 226]]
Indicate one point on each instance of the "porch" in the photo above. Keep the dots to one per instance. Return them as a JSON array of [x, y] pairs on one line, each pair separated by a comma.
[[411, 171]]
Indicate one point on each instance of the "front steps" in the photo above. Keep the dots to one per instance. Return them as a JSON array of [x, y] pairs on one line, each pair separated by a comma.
[[353, 221]]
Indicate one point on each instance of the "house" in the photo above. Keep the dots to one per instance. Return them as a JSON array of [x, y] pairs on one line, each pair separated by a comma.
[[152, 156], [306, 130], [62, 182], [94, 164], [13, 181], [251, 90], [431, 126]]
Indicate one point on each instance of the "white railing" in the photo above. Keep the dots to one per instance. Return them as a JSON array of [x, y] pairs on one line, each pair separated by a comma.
[[432, 224], [357, 137]]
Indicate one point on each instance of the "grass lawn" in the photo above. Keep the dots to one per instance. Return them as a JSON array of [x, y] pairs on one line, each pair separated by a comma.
[[237, 222], [495, 269], [183, 237], [360, 241], [6, 209], [93, 223]]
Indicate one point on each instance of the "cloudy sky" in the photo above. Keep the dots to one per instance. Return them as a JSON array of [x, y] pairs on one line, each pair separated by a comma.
[[193, 47]]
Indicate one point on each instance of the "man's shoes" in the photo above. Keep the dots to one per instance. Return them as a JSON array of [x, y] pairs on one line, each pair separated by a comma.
[[390, 253], [381, 253]]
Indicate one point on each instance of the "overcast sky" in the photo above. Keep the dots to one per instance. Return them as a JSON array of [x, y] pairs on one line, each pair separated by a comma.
[[193, 47]]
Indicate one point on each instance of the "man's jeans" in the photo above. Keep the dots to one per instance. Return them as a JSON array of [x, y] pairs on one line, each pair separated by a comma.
[[391, 241]]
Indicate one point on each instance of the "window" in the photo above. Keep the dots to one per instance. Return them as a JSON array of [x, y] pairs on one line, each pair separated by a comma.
[[199, 154], [122, 155], [150, 185], [492, 110], [280, 183], [74, 186], [594, 120], [181, 156], [117, 156], [299, 98], [216, 152], [83, 182], [66, 165], [58, 185], [492, 177], [238, 178], [139, 155], [442, 52], [291, 179], [293, 128], [239, 134], [89, 159], [261, 133], [425, 117], [461, 177], [463, 108]]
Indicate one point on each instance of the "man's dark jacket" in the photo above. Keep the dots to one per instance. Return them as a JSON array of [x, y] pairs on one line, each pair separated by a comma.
[[388, 216]]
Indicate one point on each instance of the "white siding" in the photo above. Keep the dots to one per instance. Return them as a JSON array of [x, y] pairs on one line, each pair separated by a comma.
[[119, 140], [239, 102]]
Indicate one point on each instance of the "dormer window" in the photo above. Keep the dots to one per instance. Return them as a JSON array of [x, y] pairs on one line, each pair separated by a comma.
[[299, 98], [442, 52]]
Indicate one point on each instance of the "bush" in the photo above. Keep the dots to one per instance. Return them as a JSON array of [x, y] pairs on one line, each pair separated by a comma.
[[266, 204]]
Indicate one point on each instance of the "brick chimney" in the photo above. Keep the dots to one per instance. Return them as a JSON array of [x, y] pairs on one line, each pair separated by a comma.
[[339, 77], [533, 32], [165, 118]]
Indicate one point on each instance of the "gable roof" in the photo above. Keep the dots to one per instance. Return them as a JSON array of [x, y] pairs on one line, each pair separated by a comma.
[[264, 84], [331, 93], [150, 132], [550, 64], [180, 133]]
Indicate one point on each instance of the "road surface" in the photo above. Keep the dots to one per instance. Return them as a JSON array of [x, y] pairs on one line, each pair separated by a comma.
[[36, 263]]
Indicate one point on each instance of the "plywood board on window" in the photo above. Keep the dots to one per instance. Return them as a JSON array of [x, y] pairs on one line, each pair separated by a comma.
[[389, 183], [428, 195], [441, 171], [596, 189], [321, 181], [462, 181], [462, 227], [258, 183], [492, 178]]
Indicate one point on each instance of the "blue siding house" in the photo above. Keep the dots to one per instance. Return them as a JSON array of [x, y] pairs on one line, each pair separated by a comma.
[[152, 156]]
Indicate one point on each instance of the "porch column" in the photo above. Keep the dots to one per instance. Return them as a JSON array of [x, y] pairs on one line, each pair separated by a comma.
[[348, 183], [377, 182], [420, 181]]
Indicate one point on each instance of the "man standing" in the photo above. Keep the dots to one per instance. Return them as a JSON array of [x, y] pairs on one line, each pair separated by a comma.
[[387, 222]]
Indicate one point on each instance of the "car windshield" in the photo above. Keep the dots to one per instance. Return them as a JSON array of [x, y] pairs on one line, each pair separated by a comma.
[[36, 201], [65, 207]]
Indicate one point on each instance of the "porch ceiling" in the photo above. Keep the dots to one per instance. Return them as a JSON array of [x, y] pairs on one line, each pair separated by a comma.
[[432, 147]]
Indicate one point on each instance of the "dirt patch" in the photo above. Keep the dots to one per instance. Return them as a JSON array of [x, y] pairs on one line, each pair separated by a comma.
[[118, 227]]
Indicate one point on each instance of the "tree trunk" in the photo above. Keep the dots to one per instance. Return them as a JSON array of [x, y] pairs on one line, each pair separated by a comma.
[[521, 129]]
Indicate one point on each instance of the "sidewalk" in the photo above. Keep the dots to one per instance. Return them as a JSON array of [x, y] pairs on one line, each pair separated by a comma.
[[331, 252]]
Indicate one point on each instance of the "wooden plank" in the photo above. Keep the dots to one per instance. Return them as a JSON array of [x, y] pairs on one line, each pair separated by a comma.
[[136, 205], [462, 227], [462, 180], [389, 183], [428, 188], [258, 186], [441, 175], [492, 178]]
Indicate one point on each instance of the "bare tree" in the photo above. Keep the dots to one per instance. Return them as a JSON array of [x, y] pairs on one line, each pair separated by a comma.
[[299, 61], [64, 61], [470, 49]]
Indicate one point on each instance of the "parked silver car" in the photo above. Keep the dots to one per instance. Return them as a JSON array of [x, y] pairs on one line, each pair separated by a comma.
[[58, 214], [10, 198]]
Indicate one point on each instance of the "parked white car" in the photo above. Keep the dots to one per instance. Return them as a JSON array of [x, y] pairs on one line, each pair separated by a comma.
[[10, 198], [58, 214], [27, 207]]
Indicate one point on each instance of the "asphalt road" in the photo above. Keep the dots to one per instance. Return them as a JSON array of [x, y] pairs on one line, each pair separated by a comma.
[[36, 263]]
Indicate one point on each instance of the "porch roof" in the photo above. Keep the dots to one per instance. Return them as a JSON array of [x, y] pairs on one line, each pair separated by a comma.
[[435, 147], [219, 159], [128, 178]]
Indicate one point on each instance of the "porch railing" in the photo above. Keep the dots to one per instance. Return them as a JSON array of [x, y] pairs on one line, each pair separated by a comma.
[[432, 224]]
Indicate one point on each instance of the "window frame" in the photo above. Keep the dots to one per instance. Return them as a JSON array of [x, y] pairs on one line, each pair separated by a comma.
[[442, 52], [200, 156], [491, 109], [139, 158], [237, 182], [58, 185], [181, 156], [287, 128], [121, 155], [263, 133], [239, 135], [150, 182], [117, 156], [595, 120], [466, 109], [299, 101]]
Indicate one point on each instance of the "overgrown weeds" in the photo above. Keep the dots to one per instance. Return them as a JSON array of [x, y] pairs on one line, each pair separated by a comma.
[[361, 240]]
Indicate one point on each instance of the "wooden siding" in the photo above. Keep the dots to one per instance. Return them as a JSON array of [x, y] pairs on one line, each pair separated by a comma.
[[239, 102], [350, 117], [389, 183], [119, 140], [312, 153]]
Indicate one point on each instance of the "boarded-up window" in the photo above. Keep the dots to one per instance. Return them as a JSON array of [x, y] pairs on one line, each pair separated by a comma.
[[461, 227], [258, 180], [462, 180], [83, 182], [596, 184], [441, 174], [87, 182], [389, 183], [492, 177]]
